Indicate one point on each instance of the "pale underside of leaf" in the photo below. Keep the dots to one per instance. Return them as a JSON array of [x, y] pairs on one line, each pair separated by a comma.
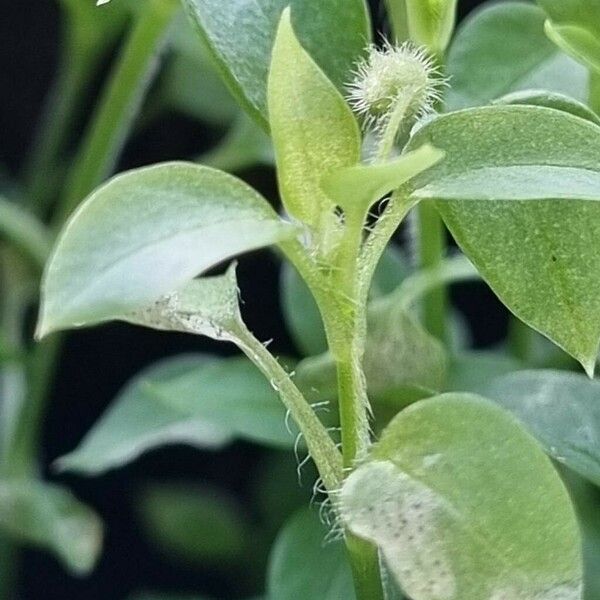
[[146, 233], [463, 504]]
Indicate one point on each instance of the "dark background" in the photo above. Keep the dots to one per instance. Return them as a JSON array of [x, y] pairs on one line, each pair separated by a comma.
[[97, 362]]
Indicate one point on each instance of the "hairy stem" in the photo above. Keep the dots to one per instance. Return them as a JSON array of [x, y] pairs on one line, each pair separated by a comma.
[[119, 104], [320, 445]]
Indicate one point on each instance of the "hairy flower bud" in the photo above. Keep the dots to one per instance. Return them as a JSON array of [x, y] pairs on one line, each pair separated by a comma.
[[395, 76]]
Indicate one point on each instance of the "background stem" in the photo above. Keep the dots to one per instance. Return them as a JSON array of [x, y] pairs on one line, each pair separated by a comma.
[[43, 167], [364, 560], [431, 253], [118, 105]]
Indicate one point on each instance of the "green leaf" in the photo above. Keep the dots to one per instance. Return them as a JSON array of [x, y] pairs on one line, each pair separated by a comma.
[[313, 129], [402, 360], [24, 231], [502, 48], [301, 313], [241, 35], [431, 22], [574, 25], [550, 100], [144, 234], [195, 524], [300, 310], [586, 498], [561, 409], [190, 83], [464, 504], [519, 186], [302, 566], [50, 517], [245, 145], [195, 400], [358, 187], [473, 371]]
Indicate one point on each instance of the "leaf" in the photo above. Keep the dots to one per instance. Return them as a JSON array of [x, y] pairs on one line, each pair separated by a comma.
[[574, 25], [195, 400], [245, 145], [50, 517], [473, 371], [313, 129], [431, 23], [241, 33], [303, 566], [190, 83], [195, 524], [551, 100], [402, 360], [586, 498], [146, 233], [358, 187], [301, 313], [519, 186], [561, 409], [502, 48], [24, 231], [464, 504], [300, 309]]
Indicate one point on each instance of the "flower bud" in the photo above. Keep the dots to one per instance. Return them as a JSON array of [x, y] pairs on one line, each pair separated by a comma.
[[394, 76]]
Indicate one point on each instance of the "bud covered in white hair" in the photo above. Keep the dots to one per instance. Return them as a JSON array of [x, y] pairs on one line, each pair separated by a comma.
[[395, 86]]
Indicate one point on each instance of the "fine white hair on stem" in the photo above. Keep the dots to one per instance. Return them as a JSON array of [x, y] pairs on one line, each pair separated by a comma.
[[390, 75]]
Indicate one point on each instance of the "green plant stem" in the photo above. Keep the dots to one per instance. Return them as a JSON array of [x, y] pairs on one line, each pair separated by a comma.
[[41, 173], [364, 560], [22, 457], [321, 447], [347, 330], [431, 254], [118, 105]]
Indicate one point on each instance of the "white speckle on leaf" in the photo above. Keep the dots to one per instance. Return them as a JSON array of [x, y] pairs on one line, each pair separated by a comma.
[[381, 503]]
